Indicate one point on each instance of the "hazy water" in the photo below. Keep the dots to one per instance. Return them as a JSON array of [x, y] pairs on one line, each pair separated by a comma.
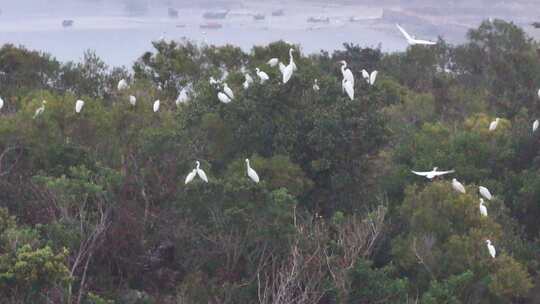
[[119, 38]]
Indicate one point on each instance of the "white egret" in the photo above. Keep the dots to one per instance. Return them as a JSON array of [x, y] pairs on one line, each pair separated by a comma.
[[228, 91], [482, 207], [535, 125], [491, 249], [122, 84], [348, 88], [485, 192], [248, 81], [251, 173], [182, 97], [190, 176], [291, 59], [132, 100], [288, 70], [316, 85], [346, 72], [223, 97], [262, 75], [201, 173], [1, 103], [372, 77], [493, 125], [78, 106], [41, 109], [156, 105], [365, 75], [412, 40], [273, 62], [433, 173], [538, 93], [458, 186], [213, 81]]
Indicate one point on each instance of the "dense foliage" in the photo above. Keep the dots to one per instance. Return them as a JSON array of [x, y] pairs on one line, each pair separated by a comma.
[[94, 209]]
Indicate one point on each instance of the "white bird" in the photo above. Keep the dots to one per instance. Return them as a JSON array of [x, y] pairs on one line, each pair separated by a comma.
[[493, 125], [262, 75], [156, 105], [273, 62], [122, 85], [535, 125], [248, 81], [412, 40], [346, 72], [291, 59], [491, 249], [251, 173], [190, 176], [182, 97], [78, 106], [132, 100], [538, 93], [483, 209], [458, 186], [213, 81], [485, 192], [288, 70], [223, 97], [41, 109], [372, 77], [1, 103], [316, 86], [228, 91], [201, 173], [433, 173], [365, 75], [348, 88]]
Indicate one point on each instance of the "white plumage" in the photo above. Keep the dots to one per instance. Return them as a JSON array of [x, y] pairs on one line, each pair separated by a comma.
[[122, 85], [182, 97], [248, 81], [491, 249], [433, 173], [251, 173], [197, 171], [412, 40], [482, 207], [41, 109], [78, 106], [1, 103], [373, 77], [132, 100], [316, 85], [348, 88], [190, 176], [493, 125], [156, 105], [535, 125], [458, 186], [273, 62], [228, 91], [262, 75], [288, 70], [223, 97], [485, 192]]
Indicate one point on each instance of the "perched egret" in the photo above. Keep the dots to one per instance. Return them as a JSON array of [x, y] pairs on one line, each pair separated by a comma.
[[458, 186], [346, 72], [228, 91], [132, 100], [288, 70], [535, 125], [156, 105], [348, 88], [538, 93], [493, 125], [483, 209], [190, 176], [182, 97], [78, 106], [197, 171], [372, 77], [223, 97], [251, 173], [491, 249], [412, 40], [316, 85], [41, 109], [262, 75], [273, 62], [1, 103], [248, 81], [365, 75], [122, 85], [433, 173], [291, 59], [485, 192]]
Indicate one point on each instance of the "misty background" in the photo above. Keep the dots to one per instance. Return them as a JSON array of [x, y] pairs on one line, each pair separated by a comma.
[[121, 30]]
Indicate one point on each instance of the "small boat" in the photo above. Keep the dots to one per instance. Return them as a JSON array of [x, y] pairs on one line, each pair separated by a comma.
[[278, 13], [215, 15], [259, 17], [67, 23], [211, 25], [173, 13], [318, 20]]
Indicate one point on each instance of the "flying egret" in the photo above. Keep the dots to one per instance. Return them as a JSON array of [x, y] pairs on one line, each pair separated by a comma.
[[156, 105], [251, 173], [182, 97], [132, 100], [412, 40], [482, 207], [433, 173], [223, 97], [248, 81], [273, 62], [228, 91], [535, 125], [262, 75], [122, 84], [458, 186], [1, 103], [493, 125], [491, 249], [316, 85], [78, 106], [485, 192], [41, 109]]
